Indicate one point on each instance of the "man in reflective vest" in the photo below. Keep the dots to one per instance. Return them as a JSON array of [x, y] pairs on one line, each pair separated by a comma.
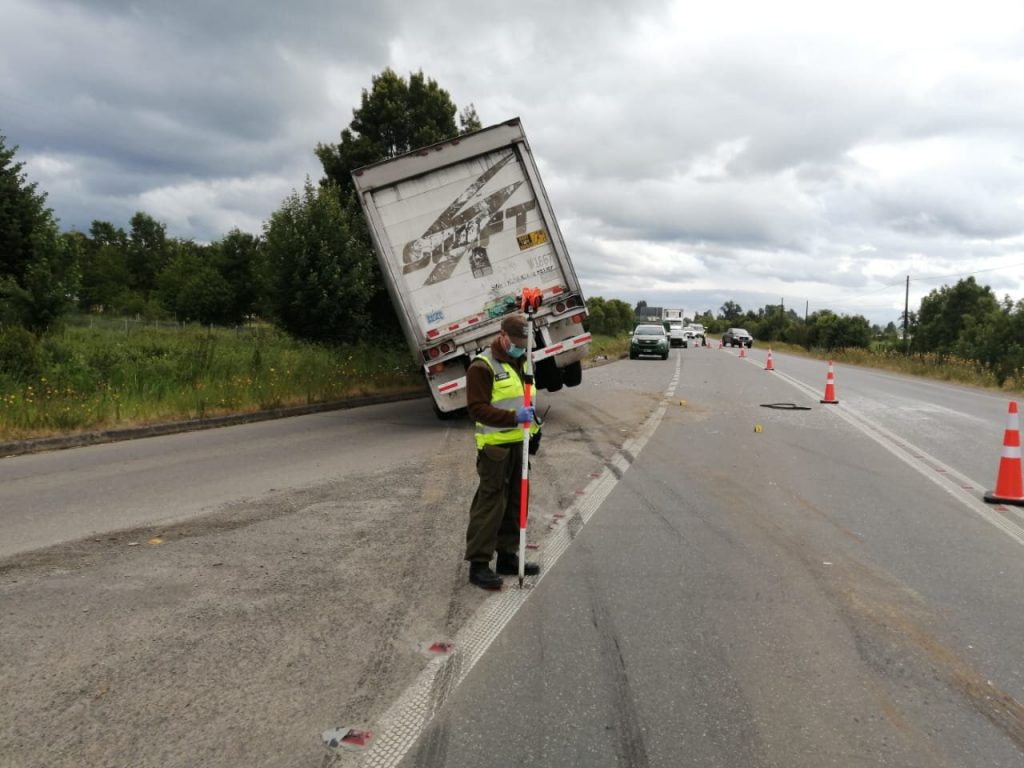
[[494, 391]]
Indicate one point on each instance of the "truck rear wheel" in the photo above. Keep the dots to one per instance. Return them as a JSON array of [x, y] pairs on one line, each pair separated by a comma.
[[572, 374], [549, 375], [447, 415]]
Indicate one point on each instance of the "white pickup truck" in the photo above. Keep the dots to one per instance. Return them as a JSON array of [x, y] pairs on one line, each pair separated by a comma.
[[697, 330]]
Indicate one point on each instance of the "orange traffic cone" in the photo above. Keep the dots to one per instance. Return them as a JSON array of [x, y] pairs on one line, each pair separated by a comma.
[[769, 366], [1009, 486], [743, 351], [830, 387]]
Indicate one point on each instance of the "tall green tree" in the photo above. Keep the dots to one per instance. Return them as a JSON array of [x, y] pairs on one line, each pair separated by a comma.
[[237, 259], [947, 312], [192, 287], [394, 117], [148, 252], [827, 330], [105, 275], [731, 311], [38, 266], [321, 281], [610, 317]]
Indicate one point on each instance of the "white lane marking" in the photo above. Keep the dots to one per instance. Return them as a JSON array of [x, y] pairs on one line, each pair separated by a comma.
[[957, 485], [400, 727]]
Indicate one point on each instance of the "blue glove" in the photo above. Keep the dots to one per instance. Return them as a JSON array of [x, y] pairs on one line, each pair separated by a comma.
[[525, 414]]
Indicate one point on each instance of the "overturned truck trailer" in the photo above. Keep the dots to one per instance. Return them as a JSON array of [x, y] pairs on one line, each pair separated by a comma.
[[461, 228]]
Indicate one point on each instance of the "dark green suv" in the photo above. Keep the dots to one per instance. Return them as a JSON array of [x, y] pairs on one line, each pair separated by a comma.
[[648, 339]]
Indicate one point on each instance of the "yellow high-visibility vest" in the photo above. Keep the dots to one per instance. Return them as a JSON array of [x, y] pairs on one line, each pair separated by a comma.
[[507, 392]]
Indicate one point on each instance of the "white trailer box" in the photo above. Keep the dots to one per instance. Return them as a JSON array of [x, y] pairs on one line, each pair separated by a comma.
[[460, 229]]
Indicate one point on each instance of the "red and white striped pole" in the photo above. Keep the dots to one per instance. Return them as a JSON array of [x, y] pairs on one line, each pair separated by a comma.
[[530, 302]]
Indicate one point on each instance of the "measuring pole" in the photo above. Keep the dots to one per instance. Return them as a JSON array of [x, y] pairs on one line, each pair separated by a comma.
[[529, 304]]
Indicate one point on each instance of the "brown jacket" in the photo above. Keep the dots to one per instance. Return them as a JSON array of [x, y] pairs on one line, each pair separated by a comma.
[[480, 379]]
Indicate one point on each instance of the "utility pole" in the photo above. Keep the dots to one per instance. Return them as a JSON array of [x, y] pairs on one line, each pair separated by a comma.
[[906, 313]]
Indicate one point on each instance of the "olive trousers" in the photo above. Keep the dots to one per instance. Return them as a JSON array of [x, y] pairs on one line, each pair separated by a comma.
[[494, 513]]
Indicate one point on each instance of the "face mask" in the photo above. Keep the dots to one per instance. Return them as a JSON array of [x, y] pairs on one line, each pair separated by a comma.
[[514, 351]]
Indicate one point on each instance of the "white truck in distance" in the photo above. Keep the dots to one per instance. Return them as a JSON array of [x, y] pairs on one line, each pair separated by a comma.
[[672, 319], [460, 229]]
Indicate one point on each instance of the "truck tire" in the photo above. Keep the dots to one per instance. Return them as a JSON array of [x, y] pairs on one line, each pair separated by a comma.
[[555, 382], [549, 375], [458, 413], [572, 374]]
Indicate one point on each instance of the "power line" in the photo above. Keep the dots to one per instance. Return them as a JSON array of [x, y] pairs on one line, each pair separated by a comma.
[[846, 303]]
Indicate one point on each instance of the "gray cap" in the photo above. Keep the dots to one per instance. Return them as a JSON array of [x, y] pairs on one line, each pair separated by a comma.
[[515, 326]]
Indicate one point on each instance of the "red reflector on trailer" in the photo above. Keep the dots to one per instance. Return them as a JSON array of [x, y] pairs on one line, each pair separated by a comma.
[[582, 339], [433, 352], [453, 327], [436, 368], [556, 348], [433, 333], [557, 289], [577, 318]]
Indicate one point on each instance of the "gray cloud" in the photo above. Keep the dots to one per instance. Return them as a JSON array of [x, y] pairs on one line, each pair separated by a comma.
[[694, 154]]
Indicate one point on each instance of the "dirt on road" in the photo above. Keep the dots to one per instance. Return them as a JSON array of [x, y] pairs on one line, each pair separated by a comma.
[[239, 637]]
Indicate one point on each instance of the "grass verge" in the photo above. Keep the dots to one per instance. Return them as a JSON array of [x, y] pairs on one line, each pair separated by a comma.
[[96, 378], [79, 378]]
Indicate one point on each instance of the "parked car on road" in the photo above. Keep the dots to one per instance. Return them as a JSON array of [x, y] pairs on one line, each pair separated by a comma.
[[737, 337], [648, 339]]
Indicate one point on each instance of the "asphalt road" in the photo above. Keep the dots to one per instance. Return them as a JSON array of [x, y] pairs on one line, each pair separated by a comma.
[[797, 596], [814, 593]]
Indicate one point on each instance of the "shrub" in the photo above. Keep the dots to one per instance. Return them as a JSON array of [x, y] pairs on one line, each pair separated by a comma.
[[19, 353]]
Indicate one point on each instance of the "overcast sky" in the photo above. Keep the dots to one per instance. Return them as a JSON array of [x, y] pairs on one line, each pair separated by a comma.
[[694, 152]]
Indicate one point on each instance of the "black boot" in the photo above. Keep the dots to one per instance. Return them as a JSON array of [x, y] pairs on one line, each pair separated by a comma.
[[508, 565], [482, 575]]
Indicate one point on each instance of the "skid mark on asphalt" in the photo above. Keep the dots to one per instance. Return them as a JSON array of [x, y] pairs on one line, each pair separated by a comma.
[[891, 626], [896, 612], [630, 747]]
